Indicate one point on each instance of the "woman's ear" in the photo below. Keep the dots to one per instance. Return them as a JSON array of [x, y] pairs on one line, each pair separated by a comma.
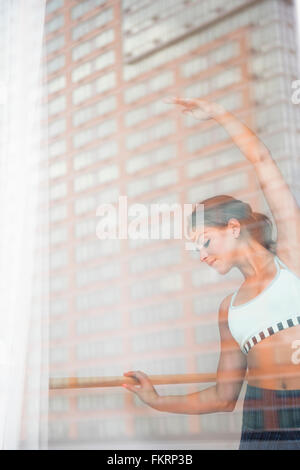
[[235, 227]]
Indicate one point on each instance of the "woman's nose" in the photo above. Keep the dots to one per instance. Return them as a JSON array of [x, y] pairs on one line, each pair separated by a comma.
[[203, 254]]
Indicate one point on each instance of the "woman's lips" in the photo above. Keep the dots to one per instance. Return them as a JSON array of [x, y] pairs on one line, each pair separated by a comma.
[[212, 262]]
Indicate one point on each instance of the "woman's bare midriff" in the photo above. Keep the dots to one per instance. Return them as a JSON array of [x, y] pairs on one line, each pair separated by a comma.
[[274, 363]]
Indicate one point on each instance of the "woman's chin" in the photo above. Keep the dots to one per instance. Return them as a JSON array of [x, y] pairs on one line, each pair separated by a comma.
[[221, 268]]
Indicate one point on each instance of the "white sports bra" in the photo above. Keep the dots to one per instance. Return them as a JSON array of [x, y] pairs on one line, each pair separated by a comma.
[[276, 308]]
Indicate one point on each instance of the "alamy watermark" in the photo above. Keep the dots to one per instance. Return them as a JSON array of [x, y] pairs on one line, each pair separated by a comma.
[[296, 354], [296, 94], [149, 221]]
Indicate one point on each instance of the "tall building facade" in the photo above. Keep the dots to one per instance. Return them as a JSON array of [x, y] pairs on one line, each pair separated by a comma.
[[126, 304]]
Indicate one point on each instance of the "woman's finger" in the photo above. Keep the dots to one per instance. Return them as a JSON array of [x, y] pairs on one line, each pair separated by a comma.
[[131, 388], [140, 376], [181, 101]]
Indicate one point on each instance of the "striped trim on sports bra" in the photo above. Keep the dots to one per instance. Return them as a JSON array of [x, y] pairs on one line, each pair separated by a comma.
[[269, 331]]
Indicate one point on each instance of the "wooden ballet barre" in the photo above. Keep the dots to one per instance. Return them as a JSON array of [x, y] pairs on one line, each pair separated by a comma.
[[61, 383], [99, 382]]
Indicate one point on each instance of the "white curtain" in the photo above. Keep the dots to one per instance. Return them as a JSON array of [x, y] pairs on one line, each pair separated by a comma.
[[24, 228]]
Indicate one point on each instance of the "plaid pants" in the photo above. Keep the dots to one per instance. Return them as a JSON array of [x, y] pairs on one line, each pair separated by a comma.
[[271, 420]]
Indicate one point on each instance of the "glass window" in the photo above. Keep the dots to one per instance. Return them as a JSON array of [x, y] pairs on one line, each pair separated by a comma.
[[56, 84], [58, 306], [91, 24], [58, 169], [90, 350], [85, 181], [82, 71], [58, 235], [85, 227], [99, 131], [55, 64], [145, 112], [96, 249], [57, 127], [209, 137], [78, 52], [59, 283], [100, 85], [153, 85], [53, 5], [82, 93], [98, 323], [57, 330], [54, 24], [104, 60], [58, 213], [84, 7], [99, 153], [106, 82], [149, 183], [55, 44], [104, 106], [89, 203], [153, 260], [58, 354], [58, 191], [149, 159], [155, 132], [194, 66], [100, 273], [58, 259], [57, 148], [58, 404], [108, 173], [82, 49], [158, 340], [157, 313], [57, 105]]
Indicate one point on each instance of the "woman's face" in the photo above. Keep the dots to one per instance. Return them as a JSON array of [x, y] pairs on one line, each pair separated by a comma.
[[217, 246]]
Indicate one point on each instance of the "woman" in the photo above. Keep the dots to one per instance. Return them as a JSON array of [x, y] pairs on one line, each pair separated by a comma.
[[260, 323]]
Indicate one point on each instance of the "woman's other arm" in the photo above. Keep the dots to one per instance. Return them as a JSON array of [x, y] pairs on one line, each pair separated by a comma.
[[218, 398]]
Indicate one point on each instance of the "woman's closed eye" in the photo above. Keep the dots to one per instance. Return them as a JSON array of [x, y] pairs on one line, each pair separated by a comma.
[[205, 245]]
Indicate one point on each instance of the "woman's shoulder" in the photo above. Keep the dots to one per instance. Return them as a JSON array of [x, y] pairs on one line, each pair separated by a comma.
[[289, 261], [224, 307]]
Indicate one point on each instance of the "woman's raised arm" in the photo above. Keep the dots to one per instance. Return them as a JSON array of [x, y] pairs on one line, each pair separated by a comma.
[[220, 397], [279, 197]]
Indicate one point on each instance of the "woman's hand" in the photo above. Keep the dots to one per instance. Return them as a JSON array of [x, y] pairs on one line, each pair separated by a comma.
[[144, 390], [199, 109]]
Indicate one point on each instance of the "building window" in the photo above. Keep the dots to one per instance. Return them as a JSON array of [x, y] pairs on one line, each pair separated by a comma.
[[57, 148], [91, 24], [55, 24], [58, 213], [57, 105], [58, 169], [96, 132], [158, 131], [56, 84], [55, 44], [104, 106], [57, 127], [100, 85], [89, 157], [53, 5], [102, 40], [55, 64], [84, 7], [86, 69]]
